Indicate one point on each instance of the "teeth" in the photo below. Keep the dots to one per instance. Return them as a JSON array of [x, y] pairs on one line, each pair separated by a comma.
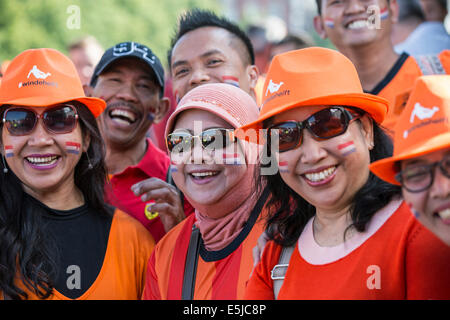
[[203, 174], [123, 113], [444, 214], [42, 160], [357, 24], [319, 176]]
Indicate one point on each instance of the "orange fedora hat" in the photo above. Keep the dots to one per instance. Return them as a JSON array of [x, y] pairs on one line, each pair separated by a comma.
[[44, 77], [423, 126], [314, 76]]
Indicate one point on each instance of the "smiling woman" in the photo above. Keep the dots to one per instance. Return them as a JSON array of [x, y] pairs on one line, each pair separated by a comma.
[[57, 234], [336, 218], [215, 172], [421, 160]]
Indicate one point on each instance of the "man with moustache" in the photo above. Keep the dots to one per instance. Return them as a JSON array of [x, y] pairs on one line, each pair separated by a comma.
[[130, 78]]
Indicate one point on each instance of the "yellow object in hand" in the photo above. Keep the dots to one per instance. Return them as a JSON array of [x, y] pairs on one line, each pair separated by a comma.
[[148, 213]]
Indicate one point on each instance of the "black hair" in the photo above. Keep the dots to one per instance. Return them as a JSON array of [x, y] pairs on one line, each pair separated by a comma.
[[289, 212], [198, 18], [27, 252], [297, 41]]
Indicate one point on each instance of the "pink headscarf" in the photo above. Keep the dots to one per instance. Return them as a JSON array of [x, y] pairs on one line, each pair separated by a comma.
[[221, 222]]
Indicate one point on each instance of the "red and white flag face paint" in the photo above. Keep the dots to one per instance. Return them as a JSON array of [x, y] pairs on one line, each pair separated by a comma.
[[173, 166], [231, 80], [347, 148], [232, 159], [73, 147], [283, 166], [384, 13], [9, 151], [329, 23]]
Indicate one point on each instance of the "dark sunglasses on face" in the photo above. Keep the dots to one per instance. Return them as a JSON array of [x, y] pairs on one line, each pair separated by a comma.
[[211, 139], [325, 124], [421, 177], [57, 119]]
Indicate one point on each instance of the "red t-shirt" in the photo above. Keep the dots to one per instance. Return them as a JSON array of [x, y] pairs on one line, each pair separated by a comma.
[[154, 164], [395, 258]]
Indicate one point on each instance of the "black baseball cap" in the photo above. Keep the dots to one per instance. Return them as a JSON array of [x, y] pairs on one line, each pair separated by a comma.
[[126, 50]]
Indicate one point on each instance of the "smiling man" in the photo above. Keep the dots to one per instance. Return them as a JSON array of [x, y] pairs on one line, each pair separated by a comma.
[[130, 78], [361, 30], [208, 49]]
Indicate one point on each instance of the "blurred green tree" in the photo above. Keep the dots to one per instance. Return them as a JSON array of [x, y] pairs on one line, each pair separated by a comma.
[[26, 24]]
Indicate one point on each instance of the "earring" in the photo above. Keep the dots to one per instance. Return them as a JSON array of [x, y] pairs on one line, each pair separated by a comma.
[[5, 169], [90, 166]]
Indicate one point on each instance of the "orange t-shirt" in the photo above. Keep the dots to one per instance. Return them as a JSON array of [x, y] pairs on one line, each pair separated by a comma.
[[395, 258], [122, 275], [223, 276], [398, 83]]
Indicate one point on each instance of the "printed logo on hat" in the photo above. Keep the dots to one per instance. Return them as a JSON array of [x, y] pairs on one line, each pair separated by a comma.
[[422, 113], [40, 77], [273, 87], [126, 48], [38, 74]]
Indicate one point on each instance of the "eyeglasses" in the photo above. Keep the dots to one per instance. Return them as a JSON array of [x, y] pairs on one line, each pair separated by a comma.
[[419, 178], [325, 124], [210, 139], [57, 119]]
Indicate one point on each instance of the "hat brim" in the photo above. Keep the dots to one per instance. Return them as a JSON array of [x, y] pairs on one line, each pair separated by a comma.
[[375, 106], [386, 168], [95, 105]]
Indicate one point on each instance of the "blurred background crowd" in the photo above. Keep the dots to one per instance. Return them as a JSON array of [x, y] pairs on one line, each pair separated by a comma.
[[82, 28]]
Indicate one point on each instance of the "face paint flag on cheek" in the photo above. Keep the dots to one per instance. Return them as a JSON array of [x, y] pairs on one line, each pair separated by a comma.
[[329, 23], [73, 147], [283, 166], [347, 148], [173, 167], [232, 159], [231, 80], [9, 151], [384, 14]]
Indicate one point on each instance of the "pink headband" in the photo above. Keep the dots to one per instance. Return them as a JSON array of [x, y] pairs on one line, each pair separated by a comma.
[[228, 102]]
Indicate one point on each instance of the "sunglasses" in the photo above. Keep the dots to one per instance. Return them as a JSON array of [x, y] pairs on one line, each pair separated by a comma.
[[325, 124], [211, 139], [420, 178], [57, 119]]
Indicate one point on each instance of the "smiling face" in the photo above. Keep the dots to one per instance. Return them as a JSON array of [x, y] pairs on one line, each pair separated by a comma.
[[352, 23], [133, 102], [432, 206], [210, 55], [198, 175], [44, 162], [327, 173]]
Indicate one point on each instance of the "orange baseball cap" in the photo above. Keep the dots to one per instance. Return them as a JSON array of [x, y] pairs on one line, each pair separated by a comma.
[[423, 126], [314, 76], [44, 77]]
